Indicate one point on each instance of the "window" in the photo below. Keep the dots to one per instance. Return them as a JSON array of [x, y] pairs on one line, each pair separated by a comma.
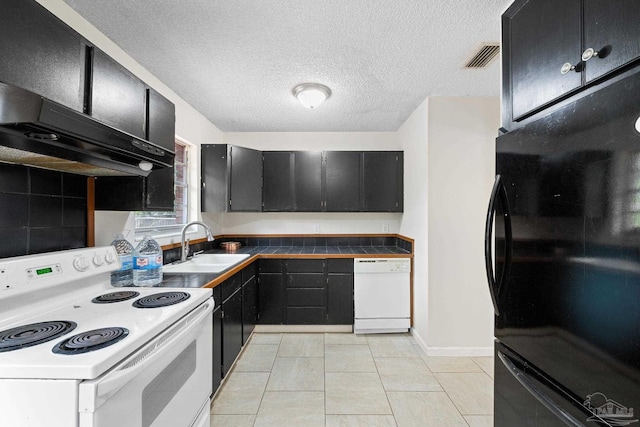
[[158, 222]]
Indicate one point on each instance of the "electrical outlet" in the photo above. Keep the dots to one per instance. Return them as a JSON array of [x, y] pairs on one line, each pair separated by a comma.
[[316, 228], [385, 228]]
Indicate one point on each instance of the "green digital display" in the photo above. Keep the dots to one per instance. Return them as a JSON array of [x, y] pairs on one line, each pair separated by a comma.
[[45, 270]]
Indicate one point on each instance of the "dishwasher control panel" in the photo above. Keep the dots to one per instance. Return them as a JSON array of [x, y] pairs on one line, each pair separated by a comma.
[[382, 265]]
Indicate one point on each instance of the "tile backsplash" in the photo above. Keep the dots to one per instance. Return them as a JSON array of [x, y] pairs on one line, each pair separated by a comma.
[[41, 210]]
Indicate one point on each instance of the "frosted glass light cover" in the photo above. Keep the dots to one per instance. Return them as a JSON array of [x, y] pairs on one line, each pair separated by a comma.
[[311, 95]]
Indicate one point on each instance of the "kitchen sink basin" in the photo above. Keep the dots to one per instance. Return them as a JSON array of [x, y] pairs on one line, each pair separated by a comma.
[[208, 263]]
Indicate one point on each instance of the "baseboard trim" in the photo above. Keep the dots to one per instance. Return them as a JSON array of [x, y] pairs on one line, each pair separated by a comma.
[[272, 329], [460, 351]]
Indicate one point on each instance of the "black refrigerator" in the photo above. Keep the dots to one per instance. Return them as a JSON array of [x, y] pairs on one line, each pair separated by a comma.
[[562, 249]]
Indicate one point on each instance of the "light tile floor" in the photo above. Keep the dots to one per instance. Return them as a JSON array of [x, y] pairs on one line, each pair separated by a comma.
[[331, 380]]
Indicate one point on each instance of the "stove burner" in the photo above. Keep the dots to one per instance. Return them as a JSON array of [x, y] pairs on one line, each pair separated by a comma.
[[161, 300], [33, 334], [115, 297], [96, 339]]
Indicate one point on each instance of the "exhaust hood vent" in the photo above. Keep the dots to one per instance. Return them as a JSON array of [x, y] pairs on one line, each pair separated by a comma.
[[486, 53], [38, 132]]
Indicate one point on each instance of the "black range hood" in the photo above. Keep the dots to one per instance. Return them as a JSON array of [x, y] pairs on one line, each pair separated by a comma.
[[39, 132]]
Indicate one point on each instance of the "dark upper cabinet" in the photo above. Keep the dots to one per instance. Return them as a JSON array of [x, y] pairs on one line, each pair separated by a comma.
[[231, 178], [161, 120], [41, 54], [118, 98], [307, 181], [383, 181], [535, 75], [156, 192], [612, 30], [343, 181], [246, 180], [541, 37], [292, 181], [277, 184]]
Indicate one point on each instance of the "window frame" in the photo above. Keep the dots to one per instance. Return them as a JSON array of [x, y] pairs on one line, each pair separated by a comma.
[[186, 161]]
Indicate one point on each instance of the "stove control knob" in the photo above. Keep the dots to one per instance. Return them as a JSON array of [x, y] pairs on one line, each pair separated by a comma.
[[98, 260], [109, 258], [80, 263]]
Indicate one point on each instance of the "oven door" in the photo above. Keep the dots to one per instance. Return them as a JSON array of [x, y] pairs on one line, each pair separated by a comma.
[[163, 384]]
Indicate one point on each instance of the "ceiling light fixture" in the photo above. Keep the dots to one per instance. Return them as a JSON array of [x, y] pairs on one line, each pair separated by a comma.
[[311, 95]]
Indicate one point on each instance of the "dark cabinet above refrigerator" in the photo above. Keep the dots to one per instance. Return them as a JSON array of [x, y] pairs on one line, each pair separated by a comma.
[[552, 50]]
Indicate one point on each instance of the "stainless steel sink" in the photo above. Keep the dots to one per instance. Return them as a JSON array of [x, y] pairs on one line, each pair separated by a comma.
[[207, 263]]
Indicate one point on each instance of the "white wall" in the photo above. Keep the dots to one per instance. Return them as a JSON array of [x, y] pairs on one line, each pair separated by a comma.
[[413, 136], [304, 223], [191, 126], [461, 144]]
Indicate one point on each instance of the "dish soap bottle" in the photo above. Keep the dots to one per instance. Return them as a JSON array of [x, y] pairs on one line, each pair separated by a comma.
[[124, 249], [147, 263]]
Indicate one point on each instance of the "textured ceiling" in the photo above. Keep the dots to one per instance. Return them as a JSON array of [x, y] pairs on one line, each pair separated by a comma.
[[236, 61]]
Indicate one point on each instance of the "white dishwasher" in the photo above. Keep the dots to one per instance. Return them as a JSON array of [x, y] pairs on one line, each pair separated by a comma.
[[382, 295]]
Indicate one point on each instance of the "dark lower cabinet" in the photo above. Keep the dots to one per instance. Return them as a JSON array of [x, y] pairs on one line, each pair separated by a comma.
[[340, 292], [231, 330], [217, 348], [306, 291], [305, 295], [270, 292]]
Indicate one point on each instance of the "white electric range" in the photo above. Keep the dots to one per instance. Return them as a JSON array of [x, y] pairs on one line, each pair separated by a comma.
[[75, 351]]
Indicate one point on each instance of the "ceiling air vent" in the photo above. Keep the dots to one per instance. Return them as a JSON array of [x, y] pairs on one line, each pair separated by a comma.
[[484, 55]]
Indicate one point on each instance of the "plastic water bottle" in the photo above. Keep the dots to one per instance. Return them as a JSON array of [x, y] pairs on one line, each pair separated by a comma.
[[147, 263], [124, 249]]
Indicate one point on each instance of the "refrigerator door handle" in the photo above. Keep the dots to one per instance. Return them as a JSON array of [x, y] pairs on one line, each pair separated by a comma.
[[497, 193], [551, 405]]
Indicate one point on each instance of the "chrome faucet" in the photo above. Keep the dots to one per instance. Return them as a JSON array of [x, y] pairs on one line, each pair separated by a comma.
[[185, 242]]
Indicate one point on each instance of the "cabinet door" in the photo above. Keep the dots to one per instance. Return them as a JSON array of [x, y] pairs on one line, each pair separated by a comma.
[[41, 54], [217, 348], [340, 292], [383, 181], [118, 98], [231, 330], [270, 298], [340, 299], [611, 29], [213, 169], [245, 193], [538, 38], [343, 172], [277, 183], [161, 120], [249, 307], [307, 182]]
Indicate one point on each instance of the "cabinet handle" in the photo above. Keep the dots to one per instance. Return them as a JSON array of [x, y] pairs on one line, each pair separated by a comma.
[[566, 67], [589, 53]]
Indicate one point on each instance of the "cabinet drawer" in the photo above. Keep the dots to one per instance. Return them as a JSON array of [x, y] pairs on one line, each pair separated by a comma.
[[306, 316], [248, 272], [270, 266], [306, 297], [305, 280], [230, 286], [306, 265], [340, 265]]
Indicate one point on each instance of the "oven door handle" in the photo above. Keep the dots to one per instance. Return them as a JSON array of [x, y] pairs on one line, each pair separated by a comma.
[[139, 361]]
